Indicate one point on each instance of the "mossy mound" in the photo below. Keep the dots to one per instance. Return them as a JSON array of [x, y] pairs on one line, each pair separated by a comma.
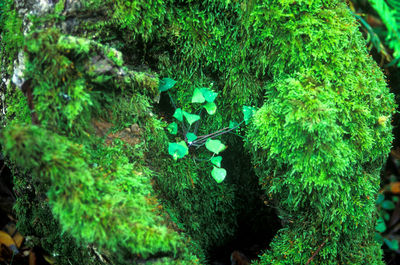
[[322, 135], [84, 123]]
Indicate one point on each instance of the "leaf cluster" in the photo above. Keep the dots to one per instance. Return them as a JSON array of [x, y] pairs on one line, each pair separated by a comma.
[[180, 149]]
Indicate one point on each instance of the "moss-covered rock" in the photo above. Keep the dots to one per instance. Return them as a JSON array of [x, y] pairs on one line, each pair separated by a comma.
[[84, 125], [322, 135]]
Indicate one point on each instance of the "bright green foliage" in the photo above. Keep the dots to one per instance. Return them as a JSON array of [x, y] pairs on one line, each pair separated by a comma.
[[248, 113], [34, 219], [191, 137], [208, 94], [389, 11], [57, 79], [178, 114], [190, 118], [142, 17], [216, 160], [210, 107], [166, 84], [385, 205], [173, 128], [215, 146], [104, 186], [318, 141], [18, 110], [218, 174], [200, 206], [178, 150], [96, 199], [321, 137], [198, 96], [77, 74], [11, 35]]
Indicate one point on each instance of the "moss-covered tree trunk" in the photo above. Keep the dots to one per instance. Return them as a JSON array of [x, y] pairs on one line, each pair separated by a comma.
[[84, 129]]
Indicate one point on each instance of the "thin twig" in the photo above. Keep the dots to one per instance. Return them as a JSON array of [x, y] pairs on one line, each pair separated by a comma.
[[172, 101], [315, 253], [203, 138]]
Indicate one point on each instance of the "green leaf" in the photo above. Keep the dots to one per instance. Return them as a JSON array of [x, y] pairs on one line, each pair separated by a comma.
[[233, 124], [215, 146], [218, 174], [380, 225], [198, 96], [191, 137], [178, 150], [388, 205], [210, 107], [172, 128], [208, 94], [178, 114], [386, 215], [248, 112], [191, 118], [216, 160], [392, 244], [166, 84], [378, 238], [380, 198]]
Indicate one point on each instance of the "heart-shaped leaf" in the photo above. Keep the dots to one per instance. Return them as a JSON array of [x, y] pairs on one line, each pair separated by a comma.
[[178, 114], [388, 205], [165, 84], [215, 146], [191, 118], [198, 96], [178, 150], [210, 107], [392, 244], [248, 112], [191, 137], [378, 238], [380, 225], [386, 216], [218, 174], [216, 160], [172, 128], [233, 124], [380, 198], [208, 94]]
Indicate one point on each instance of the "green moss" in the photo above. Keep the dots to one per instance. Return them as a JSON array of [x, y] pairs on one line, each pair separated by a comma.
[[17, 106], [322, 135], [11, 35], [98, 186], [200, 207], [100, 177], [318, 140], [35, 220]]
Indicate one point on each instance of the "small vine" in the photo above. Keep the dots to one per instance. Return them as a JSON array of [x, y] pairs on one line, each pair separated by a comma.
[[189, 137]]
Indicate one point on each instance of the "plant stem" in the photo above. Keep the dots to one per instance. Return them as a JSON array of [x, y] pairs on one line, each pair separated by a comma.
[[203, 138], [172, 101]]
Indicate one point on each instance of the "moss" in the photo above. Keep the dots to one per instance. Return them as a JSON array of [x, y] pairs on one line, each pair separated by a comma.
[[65, 101], [11, 35], [111, 195], [317, 141], [17, 106], [197, 204], [35, 220]]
